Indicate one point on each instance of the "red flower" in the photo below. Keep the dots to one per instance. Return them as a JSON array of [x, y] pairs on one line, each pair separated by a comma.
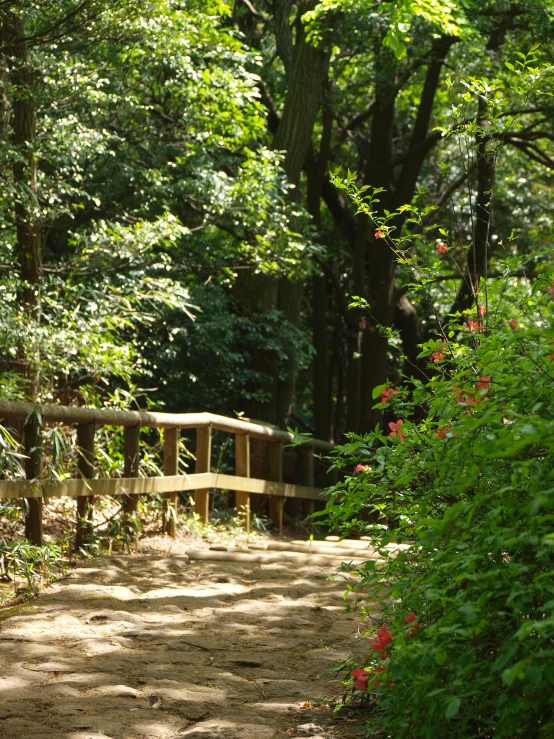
[[551, 356], [395, 429], [441, 431], [379, 234], [473, 325], [411, 618], [382, 641], [513, 323], [442, 247], [482, 310], [437, 356], [361, 678], [359, 468], [460, 397], [472, 400], [387, 393], [483, 383]]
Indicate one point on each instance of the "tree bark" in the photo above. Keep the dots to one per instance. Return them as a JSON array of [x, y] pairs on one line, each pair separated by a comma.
[[478, 255], [386, 301], [306, 67], [28, 256], [322, 400], [23, 120], [380, 261], [306, 73]]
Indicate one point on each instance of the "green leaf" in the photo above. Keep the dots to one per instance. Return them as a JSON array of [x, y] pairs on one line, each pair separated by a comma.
[[452, 708]]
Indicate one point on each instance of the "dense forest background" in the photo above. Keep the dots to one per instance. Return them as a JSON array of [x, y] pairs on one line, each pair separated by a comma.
[[175, 227]]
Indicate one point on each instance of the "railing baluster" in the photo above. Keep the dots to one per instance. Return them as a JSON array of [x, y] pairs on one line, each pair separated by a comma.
[[276, 502], [131, 446], [30, 419], [85, 465], [32, 444], [242, 469], [203, 462], [171, 467]]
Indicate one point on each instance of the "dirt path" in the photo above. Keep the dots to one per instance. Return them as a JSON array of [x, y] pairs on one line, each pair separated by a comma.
[[154, 646]]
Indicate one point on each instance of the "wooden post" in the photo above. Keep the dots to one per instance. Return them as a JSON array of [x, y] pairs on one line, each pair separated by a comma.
[[85, 464], [131, 439], [276, 475], [203, 463], [171, 467], [32, 443], [242, 469], [307, 453]]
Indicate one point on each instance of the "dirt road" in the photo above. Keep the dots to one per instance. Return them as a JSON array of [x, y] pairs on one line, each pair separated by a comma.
[[153, 646]]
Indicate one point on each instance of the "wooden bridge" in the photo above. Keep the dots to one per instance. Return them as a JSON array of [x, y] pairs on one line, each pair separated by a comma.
[[29, 421]]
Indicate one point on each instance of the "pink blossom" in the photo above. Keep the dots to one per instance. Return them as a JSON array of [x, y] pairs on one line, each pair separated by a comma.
[[382, 641], [361, 678], [483, 383], [441, 247], [387, 393], [395, 429], [411, 618]]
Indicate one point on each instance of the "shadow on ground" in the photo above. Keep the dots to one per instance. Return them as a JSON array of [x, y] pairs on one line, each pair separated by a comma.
[[153, 646]]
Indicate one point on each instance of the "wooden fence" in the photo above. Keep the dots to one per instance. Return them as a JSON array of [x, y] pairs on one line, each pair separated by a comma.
[[85, 488]]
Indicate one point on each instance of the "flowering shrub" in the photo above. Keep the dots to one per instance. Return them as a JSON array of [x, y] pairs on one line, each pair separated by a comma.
[[470, 489]]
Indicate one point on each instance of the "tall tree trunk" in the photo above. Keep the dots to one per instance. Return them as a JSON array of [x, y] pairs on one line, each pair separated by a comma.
[[28, 230], [385, 299], [356, 326], [478, 255], [23, 122], [380, 259], [306, 67], [322, 399]]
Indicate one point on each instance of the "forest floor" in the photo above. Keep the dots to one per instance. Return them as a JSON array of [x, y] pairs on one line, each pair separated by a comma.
[[154, 645]]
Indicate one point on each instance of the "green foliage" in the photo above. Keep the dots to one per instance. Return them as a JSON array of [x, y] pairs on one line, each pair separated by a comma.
[[152, 176], [470, 487], [32, 564], [209, 363], [396, 20], [11, 460]]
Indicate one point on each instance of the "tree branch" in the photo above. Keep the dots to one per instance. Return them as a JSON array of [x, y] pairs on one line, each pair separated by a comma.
[[420, 142], [283, 33]]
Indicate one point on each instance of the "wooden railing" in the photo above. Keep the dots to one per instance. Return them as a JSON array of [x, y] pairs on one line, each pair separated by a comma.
[[85, 488]]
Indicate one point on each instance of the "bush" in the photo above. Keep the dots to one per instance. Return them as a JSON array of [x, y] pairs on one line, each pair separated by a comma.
[[471, 487]]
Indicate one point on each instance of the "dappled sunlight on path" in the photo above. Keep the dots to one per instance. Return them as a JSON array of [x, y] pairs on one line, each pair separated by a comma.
[[154, 646]]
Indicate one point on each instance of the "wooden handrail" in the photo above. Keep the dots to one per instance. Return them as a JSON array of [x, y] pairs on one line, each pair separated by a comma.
[[85, 487], [69, 415], [76, 487]]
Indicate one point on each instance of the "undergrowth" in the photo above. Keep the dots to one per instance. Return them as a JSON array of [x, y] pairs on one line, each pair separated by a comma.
[[466, 643]]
